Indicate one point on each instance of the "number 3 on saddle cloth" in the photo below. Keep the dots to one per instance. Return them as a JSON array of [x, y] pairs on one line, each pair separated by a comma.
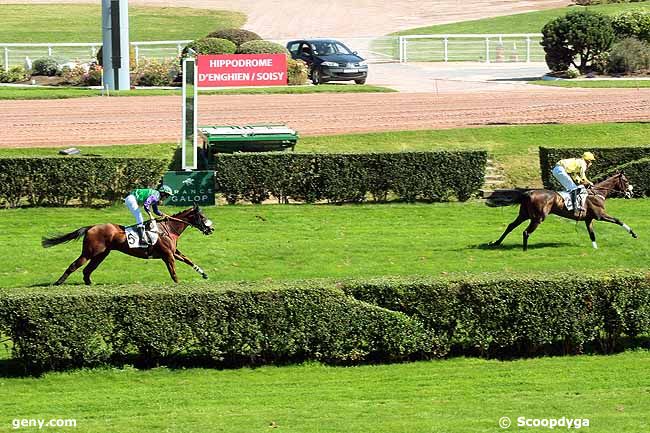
[[581, 198], [151, 231]]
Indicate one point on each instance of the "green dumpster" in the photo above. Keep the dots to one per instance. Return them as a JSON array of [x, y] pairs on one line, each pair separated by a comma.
[[249, 138]]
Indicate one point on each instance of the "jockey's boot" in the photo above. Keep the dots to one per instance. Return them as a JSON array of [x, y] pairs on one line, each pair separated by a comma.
[[574, 200], [144, 239]]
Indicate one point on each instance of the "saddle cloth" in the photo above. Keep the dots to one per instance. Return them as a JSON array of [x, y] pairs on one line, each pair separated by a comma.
[[582, 198], [132, 237]]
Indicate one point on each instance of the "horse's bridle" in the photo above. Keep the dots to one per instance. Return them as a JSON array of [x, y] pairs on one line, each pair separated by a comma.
[[206, 229], [620, 187]]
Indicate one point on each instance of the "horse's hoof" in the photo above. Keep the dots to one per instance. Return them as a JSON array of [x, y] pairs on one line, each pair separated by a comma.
[[634, 235], [205, 276]]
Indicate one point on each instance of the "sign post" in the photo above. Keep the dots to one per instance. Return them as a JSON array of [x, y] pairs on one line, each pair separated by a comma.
[[190, 113]]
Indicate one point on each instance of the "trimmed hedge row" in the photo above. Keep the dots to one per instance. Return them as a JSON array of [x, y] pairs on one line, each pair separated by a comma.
[[56, 181], [637, 172], [230, 326], [338, 178], [606, 159], [518, 316], [377, 320]]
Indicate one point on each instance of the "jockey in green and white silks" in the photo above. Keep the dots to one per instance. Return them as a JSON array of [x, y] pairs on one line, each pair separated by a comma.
[[150, 198]]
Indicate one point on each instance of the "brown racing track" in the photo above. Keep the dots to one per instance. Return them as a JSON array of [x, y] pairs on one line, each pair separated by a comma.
[[154, 119]]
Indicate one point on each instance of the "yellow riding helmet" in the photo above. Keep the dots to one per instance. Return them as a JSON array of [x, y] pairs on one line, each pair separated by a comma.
[[588, 156]]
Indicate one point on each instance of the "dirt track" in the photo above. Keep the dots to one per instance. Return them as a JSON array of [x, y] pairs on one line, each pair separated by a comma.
[[128, 120]]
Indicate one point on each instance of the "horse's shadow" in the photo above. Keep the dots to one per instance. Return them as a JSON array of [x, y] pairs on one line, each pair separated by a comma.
[[509, 247]]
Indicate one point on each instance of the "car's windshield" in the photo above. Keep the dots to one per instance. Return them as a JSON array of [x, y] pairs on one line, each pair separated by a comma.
[[328, 48]]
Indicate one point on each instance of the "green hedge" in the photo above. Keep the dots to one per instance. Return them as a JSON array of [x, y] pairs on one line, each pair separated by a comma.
[[386, 319], [225, 324], [57, 181], [518, 316], [637, 172], [341, 178], [607, 158]]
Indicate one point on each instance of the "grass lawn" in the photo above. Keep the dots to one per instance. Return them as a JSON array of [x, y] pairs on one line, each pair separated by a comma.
[[288, 242], [82, 23], [515, 148], [529, 22], [456, 395], [13, 93], [593, 84]]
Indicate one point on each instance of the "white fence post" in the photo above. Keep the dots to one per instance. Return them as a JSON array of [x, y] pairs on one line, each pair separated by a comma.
[[487, 50], [528, 49], [136, 49], [180, 49], [6, 59], [400, 48], [49, 50], [446, 44]]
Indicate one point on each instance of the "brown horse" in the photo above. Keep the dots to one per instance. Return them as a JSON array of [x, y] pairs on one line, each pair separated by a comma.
[[101, 239], [537, 204]]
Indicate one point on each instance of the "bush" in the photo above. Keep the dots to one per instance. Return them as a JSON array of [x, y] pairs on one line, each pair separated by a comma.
[[83, 76], [210, 46], [156, 73], [410, 176], [297, 72], [57, 181], [236, 36], [230, 324], [262, 47], [48, 66], [132, 60], [226, 324], [629, 56], [15, 73], [632, 24], [637, 172], [576, 39], [607, 158]]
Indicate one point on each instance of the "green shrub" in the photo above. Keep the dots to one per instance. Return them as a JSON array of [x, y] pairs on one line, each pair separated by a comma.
[[576, 39], [337, 178], [388, 319], [79, 76], [57, 181], [226, 324], [151, 72], [297, 72], [236, 36], [210, 46], [632, 24], [629, 56], [606, 159], [15, 73], [637, 172], [48, 66], [261, 47]]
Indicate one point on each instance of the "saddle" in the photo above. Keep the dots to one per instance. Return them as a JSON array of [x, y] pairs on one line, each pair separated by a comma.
[[581, 199], [151, 232]]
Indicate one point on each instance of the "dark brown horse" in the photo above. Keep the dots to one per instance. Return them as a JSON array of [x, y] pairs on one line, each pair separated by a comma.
[[101, 239], [537, 204]]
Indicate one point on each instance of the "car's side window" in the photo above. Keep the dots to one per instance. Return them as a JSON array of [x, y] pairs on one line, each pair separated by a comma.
[[293, 49]]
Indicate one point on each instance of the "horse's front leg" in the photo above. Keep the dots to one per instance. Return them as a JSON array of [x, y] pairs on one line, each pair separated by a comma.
[[171, 266], [611, 219], [183, 258], [592, 235]]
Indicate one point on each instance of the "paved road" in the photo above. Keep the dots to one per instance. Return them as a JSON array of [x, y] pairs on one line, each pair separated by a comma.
[[129, 120]]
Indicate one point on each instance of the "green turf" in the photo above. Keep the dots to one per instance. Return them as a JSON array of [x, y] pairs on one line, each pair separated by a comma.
[[82, 23], [71, 92], [457, 395], [514, 148], [529, 22], [286, 242], [595, 84]]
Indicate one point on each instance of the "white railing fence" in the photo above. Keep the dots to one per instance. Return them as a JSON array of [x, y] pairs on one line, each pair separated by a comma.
[[491, 48], [488, 48]]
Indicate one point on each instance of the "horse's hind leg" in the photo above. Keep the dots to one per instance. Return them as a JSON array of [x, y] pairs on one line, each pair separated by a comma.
[[73, 267], [529, 230], [513, 225], [94, 262], [183, 258]]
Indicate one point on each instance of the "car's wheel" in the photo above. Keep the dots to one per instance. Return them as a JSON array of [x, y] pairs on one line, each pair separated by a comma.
[[361, 81], [316, 77]]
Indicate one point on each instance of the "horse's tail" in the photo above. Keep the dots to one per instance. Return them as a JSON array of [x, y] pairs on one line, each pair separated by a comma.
[[505, 197], [56, 240]]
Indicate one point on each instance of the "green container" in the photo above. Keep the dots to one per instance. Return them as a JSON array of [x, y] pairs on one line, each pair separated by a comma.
[[249, 138]]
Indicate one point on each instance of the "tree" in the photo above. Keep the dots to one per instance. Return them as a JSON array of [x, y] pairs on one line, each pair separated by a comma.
[[577, 39]]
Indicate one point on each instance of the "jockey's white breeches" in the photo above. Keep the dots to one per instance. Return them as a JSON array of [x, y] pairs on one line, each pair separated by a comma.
[[560, 174], [132, 205]]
